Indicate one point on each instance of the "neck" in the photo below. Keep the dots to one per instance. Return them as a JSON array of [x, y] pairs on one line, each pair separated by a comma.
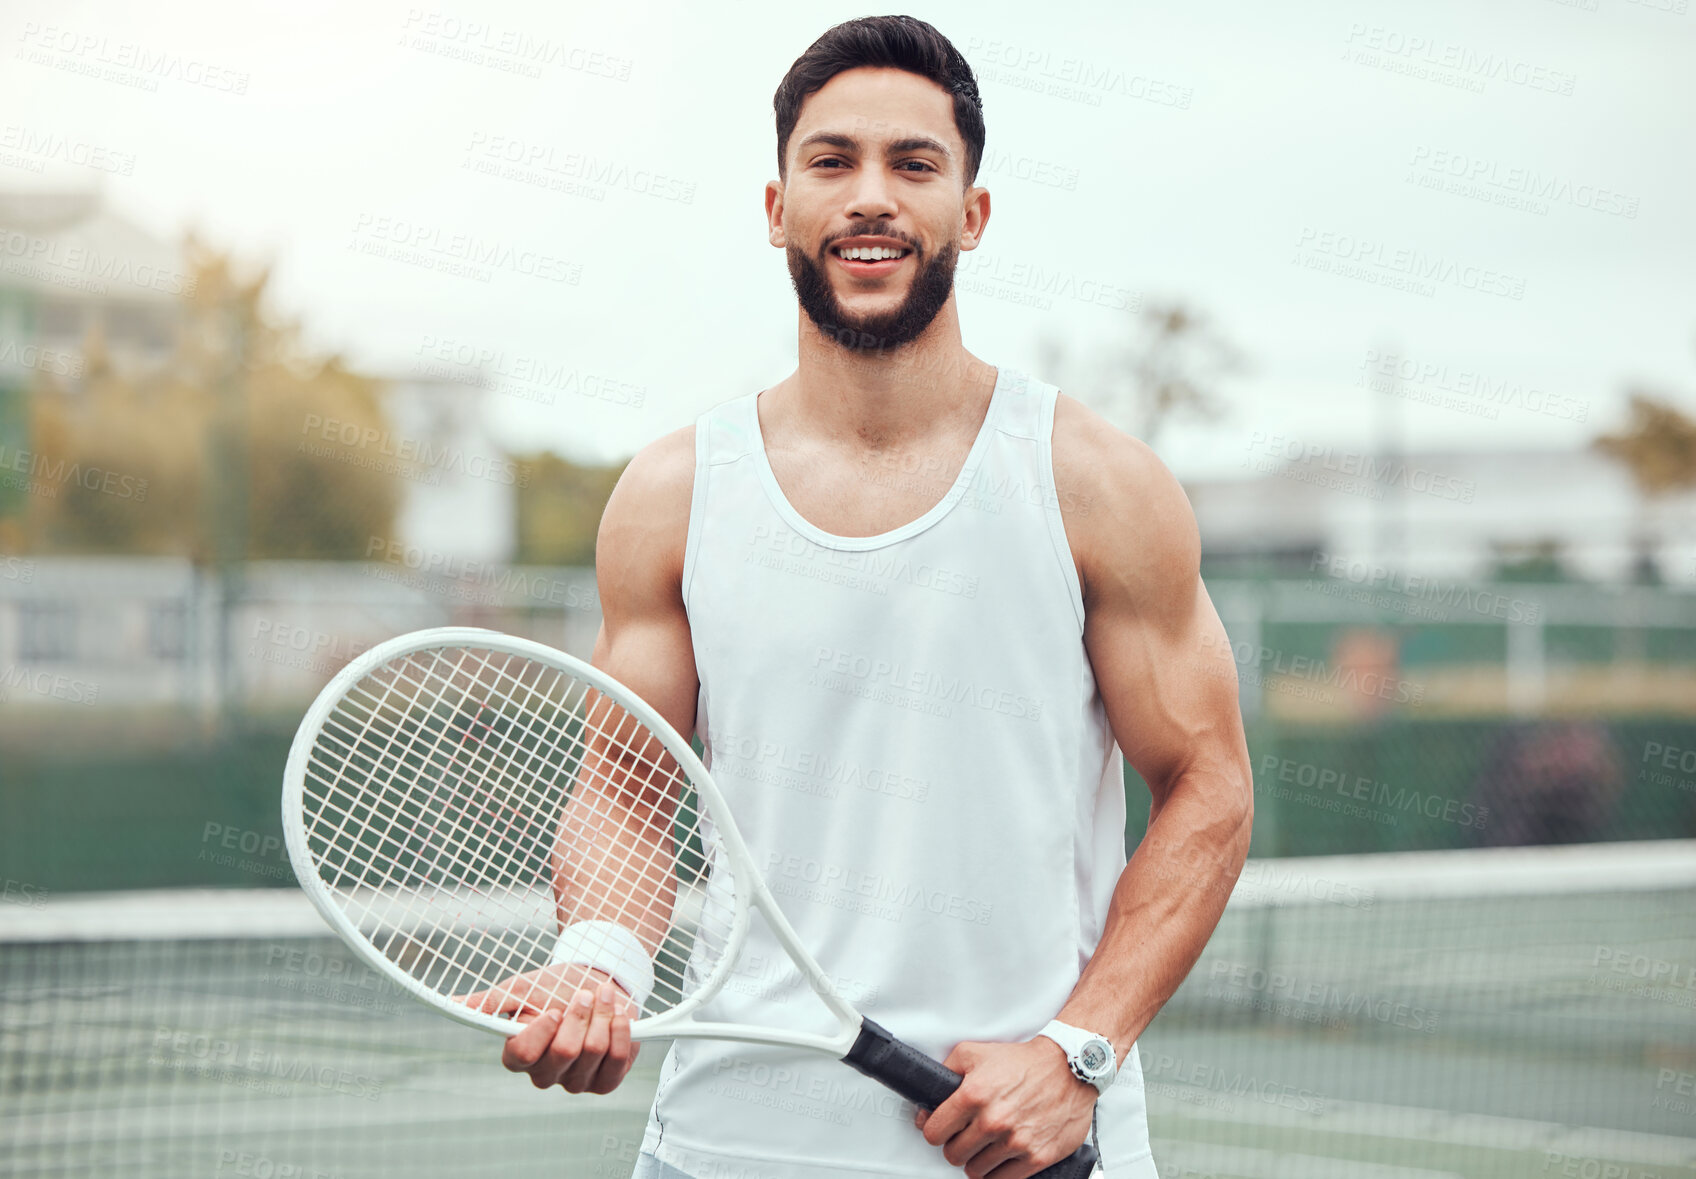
[[886, 398]]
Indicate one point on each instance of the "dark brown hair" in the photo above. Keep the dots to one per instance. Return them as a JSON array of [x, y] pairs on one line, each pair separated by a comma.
[[903, 42]]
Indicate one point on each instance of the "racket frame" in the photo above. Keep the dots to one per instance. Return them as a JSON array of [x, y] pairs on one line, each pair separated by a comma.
[[750, 889]]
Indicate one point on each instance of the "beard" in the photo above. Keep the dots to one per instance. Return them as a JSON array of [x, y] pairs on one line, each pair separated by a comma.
[[891, 329]]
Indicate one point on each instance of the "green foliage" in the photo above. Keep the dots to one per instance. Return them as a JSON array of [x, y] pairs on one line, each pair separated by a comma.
[[205, 455], [1538, 561], [559, 509]]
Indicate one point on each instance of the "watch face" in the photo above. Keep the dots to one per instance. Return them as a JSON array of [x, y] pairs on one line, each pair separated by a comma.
[[1093, 1057]]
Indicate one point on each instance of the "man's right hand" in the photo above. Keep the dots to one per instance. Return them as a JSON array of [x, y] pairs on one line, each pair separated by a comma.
[[586, 1047]]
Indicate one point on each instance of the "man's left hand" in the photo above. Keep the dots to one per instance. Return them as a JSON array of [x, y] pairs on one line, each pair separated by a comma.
[[1018, 1111]]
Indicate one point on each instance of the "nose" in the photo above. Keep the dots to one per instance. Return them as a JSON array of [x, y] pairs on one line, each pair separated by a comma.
[[871, 195]]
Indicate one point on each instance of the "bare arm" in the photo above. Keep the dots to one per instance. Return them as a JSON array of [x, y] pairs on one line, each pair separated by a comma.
[[644, 643], [615, 835], [1169, 685]]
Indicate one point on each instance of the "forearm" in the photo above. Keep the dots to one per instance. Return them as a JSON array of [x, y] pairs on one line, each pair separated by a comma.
[[614, 857], [1166, 904]]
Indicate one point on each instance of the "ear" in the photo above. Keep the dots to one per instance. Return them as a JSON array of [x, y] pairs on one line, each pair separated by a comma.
[[975, 210], [774, 213]]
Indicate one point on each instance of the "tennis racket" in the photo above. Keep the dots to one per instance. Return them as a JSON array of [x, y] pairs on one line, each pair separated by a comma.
[[456, 798]]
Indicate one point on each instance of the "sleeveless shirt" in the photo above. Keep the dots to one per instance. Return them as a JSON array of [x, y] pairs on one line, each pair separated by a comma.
[[908, 732]]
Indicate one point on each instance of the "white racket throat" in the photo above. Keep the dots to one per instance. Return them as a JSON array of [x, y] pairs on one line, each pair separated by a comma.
[[440, 919]]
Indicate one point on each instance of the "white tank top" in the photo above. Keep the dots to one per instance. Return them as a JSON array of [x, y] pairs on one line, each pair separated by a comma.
[[908, 732]]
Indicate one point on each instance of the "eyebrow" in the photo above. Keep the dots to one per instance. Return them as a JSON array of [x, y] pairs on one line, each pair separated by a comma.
[[896, 147]]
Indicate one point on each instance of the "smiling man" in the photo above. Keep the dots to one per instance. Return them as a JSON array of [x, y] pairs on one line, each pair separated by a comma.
[[915, 604]]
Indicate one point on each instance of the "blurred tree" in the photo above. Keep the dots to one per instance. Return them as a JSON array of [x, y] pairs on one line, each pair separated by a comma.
[[559, 509], [1658, 447], [218, 452], [1167, 365]]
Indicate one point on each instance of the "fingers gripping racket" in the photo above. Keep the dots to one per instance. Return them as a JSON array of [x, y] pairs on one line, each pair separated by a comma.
[[456, 798]]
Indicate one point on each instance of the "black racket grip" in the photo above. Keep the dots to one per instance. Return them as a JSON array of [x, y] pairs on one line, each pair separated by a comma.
[[929, 1083]]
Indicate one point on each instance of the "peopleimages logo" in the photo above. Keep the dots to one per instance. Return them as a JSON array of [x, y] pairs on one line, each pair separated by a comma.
[[1441, 60], [1175, 1070], [1410, 267], [1379, 580], [1461, 389], [1264, 661], [576, 173], [47, 145], [40, 475], [1312, 1001], [55, 685], [1069, 77], [25, 253], [1377, 471], [434, 247], [873, 893], [820, 772], [44, 360], [253, 1065], [249, 1165], [915, 688], [1464, 174], [1376, 794], [438, 458], [528, 378], [1278, 884], [787, 551], [16, 892], [134, 64], [483, 582], [513, 50]]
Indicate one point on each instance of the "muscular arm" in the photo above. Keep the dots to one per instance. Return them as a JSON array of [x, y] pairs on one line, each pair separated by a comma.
[[644, 643], [1169, 686], [644, 636], [621, 811], [1164, 669]]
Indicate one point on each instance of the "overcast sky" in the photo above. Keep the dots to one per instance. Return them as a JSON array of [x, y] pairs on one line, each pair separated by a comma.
[[1260, 162]]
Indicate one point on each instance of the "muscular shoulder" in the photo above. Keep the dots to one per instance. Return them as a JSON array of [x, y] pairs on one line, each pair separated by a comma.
[[1128, 521], [639, 547]]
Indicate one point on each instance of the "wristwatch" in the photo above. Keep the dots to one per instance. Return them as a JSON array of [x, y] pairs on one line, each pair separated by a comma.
[[1091, 1056]]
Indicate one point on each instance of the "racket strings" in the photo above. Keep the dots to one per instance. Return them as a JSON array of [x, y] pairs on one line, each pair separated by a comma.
[[449, 791], [451, 854], [409, 750], [462, 727], [466, 735]]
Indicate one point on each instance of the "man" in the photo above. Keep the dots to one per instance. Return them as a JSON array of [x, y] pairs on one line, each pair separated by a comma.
[[971, 592]]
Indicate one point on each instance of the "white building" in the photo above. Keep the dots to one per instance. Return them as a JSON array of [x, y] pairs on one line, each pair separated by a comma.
[[1452, 514], [70, 266], [464, 504]]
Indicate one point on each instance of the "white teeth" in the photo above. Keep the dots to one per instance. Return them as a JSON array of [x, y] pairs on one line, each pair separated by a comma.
[[869, 253]]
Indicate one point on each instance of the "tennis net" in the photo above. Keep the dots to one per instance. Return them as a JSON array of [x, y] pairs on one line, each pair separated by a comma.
[[1509, 1012]]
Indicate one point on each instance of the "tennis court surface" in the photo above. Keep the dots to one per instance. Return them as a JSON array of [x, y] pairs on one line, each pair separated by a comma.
[[1503, 1013]]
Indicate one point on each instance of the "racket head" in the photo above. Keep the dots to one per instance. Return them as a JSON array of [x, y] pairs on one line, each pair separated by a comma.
[[404, 813]]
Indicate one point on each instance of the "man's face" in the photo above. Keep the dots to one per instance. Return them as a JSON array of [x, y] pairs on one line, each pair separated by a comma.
[[875, 163]]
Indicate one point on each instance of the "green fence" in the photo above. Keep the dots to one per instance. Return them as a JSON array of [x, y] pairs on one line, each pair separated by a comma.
[[205, 812], [1403, 716]]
